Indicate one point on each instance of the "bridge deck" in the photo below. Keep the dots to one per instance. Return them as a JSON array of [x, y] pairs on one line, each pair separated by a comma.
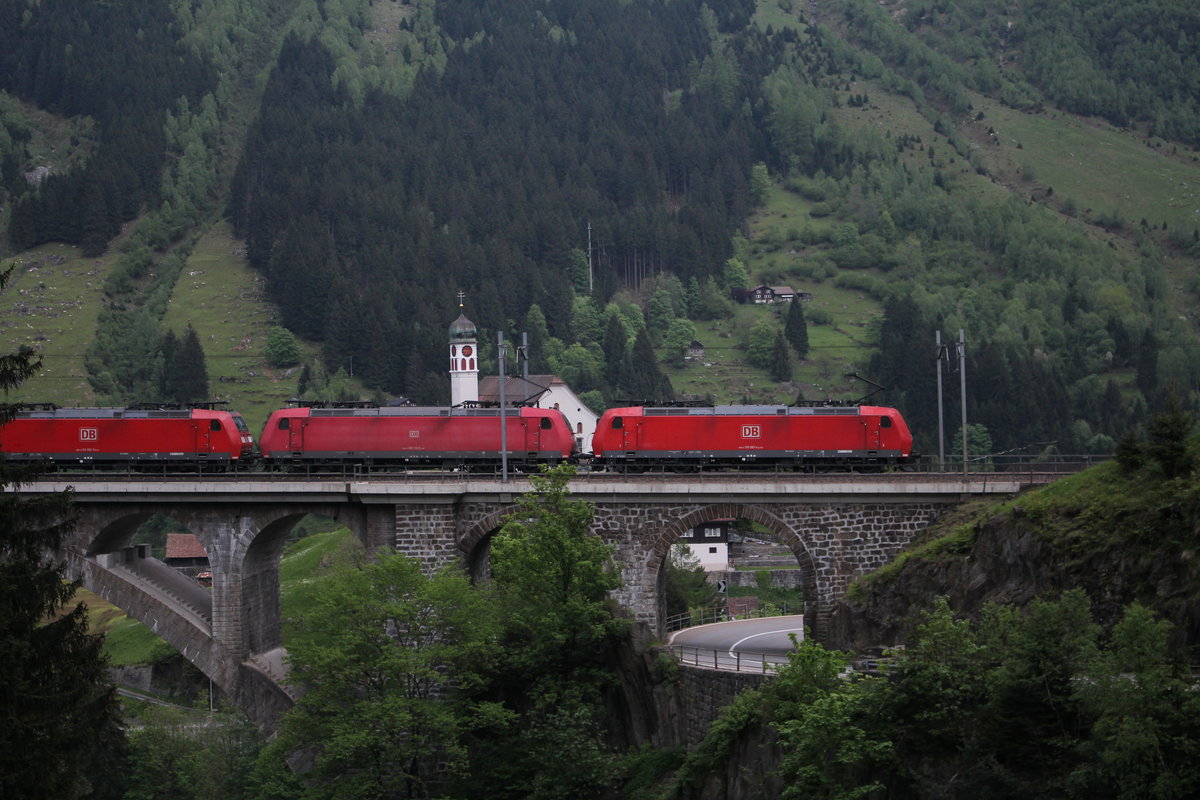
[[705, 487]]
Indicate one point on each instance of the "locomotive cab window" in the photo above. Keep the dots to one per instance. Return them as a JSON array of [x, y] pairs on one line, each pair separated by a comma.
[[285, 423], [546, 423], [214, 425], [618, 423], [885, 422]]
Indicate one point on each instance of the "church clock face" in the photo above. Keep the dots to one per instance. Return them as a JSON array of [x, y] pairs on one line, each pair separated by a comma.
[[466, 351]]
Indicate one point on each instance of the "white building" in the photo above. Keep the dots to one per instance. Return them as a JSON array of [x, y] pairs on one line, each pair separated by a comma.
[[709, 543], [545, 391]]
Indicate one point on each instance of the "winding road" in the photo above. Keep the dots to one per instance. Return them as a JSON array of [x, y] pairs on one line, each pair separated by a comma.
[[750, 645]]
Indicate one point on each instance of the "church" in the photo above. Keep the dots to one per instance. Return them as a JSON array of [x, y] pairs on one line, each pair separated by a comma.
[[541, 391]]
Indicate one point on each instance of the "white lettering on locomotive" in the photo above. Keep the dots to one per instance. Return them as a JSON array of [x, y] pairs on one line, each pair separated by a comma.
[[414, 434], [89, 434], [751, 431]]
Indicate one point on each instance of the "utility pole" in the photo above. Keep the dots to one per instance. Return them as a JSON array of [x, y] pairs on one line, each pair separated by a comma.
[[503, 352], [941, 353], [590, 257], [524, 350], [962, 381]]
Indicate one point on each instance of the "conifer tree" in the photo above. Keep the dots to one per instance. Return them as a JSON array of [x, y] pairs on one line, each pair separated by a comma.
[[796, 328], [781, 360], [170, 349], [186, 371], [61, 736], [615, 352]]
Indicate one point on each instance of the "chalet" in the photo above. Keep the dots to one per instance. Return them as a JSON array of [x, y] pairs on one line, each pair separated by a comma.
[[545, 391], [186, 554], [772, 294], [695, 350], [709, 543]]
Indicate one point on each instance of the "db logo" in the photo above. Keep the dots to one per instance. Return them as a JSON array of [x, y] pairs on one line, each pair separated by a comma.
[[89, 434], [751, 432], [414, 434]]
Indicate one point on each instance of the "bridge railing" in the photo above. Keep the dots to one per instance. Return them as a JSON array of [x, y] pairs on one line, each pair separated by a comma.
[[1001, 464], [1010, 463], [736, 661]]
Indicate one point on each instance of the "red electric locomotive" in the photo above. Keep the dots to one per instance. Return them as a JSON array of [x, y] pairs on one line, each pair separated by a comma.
[[815, 437], [415, 436], [127, 437]]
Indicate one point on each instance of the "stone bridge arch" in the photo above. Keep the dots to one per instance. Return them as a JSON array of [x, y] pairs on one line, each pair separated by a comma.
[[759, 513], [763, 515], [232, 633], [474, 543]]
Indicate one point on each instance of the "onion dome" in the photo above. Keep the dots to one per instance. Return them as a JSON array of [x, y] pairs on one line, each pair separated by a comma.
[[462, 329]]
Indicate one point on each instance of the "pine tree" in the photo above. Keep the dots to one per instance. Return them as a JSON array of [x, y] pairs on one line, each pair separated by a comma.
[[781, 360], [166, 380], [615, 352], [190, 371], [796, 328], [62, 734], [645, 380], [1147, 366]]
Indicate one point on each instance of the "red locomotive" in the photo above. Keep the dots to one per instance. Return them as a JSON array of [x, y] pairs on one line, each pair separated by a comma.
[[137, 435], [816, 437], [415, 436]]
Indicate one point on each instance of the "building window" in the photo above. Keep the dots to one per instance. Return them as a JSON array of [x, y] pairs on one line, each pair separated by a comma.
[[712, 550], [712, 533]]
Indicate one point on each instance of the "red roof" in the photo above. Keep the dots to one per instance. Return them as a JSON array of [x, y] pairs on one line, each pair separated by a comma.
[[184, 545]]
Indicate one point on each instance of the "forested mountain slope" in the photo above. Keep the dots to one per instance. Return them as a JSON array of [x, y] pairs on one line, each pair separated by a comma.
[[377, 157]]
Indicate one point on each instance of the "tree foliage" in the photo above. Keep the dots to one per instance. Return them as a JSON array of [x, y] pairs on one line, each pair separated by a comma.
[[62, 734], [1032, 702], [386, 664], [552, 578]]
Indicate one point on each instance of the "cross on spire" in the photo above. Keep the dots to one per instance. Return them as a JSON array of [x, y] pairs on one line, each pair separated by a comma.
[[461, 295]]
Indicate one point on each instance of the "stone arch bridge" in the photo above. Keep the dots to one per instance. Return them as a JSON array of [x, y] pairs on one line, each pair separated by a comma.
[[838, 527]]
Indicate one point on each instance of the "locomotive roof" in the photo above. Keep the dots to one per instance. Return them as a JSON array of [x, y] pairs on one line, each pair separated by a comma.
[[419, 411], [752, 410], [42, 412]]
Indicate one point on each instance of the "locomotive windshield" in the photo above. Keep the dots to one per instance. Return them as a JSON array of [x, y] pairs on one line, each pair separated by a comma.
[[240, 423]]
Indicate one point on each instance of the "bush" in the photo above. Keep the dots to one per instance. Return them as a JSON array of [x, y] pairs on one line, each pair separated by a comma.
[[282, 350]]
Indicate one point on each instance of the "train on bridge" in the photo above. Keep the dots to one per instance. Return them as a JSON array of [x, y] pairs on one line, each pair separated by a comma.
[[682, 437]]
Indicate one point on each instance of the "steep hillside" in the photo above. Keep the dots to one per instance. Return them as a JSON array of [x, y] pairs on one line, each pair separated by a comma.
[[912, 166], [1121, 536]]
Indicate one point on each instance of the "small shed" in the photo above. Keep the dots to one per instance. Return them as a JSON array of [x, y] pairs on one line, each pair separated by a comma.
[[695, 350], [186, 554]]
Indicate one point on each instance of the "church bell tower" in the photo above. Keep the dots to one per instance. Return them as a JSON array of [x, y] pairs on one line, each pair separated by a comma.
[[464, 359]]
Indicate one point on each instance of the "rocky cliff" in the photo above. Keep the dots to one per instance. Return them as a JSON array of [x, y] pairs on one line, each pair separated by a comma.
[[1121, 538]]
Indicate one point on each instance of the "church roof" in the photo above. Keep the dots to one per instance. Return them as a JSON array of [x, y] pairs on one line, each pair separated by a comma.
[[515, 388]]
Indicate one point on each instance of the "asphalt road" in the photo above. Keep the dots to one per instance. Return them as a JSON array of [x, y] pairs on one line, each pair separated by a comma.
[[749, 645]]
